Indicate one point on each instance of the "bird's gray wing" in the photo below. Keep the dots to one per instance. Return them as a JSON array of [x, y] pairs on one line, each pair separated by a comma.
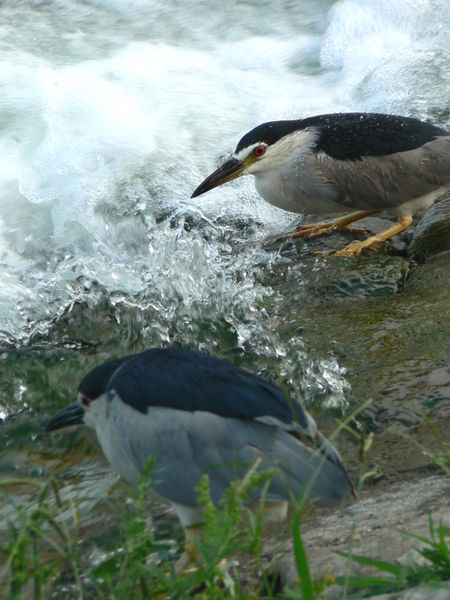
[[186, 445], [383, 182], [236, 444]]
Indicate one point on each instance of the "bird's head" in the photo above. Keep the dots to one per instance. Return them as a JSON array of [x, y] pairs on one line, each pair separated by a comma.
[[90, 403], [263, 148]]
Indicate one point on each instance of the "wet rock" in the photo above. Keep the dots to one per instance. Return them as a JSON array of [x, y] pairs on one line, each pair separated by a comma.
[[370, 527], [389, 331], [432, 234], [378, 275], [386, 319]]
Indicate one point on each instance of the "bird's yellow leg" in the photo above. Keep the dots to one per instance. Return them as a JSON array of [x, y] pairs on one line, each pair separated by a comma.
[[375, 241], [312, 230], [186, 563], [190, 555]]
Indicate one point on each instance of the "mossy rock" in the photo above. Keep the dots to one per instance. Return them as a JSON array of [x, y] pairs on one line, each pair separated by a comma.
[[432, 234]]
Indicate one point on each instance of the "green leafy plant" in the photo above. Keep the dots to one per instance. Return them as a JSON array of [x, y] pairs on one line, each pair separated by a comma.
[[33, 529], [136, 568], [434, 569], [301, 561], [228, 529], [133, 568]]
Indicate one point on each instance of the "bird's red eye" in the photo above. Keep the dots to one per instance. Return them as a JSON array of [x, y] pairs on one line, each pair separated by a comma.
[[259, 150], [85, 401]]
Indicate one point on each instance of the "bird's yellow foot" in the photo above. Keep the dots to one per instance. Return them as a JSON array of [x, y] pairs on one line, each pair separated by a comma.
[[222, 578], [356, 247], [186, 563], [312, 230], [374, 242]]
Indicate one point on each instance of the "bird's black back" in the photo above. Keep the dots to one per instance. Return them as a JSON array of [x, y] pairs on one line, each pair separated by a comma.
[[189, 381], [350, 136]]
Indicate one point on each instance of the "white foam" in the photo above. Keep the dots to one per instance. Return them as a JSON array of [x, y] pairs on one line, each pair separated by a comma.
[[390, 56]]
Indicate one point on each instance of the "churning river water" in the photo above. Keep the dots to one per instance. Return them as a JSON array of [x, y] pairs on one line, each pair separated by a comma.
[[112, 112]]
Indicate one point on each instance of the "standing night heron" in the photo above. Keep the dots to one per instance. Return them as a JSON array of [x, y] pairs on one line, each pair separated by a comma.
[[341, 162], [196, 414]]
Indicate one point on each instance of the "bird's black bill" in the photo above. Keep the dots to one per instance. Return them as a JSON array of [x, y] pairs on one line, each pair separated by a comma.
[[71, 415], [228, 171]]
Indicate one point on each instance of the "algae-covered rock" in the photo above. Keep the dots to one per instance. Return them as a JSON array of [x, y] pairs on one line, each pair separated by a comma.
[[432, 234]]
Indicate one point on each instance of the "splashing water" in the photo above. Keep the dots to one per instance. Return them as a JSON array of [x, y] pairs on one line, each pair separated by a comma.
[[111, 113]]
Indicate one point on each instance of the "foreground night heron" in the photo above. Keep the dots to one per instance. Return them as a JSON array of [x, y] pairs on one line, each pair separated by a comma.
[[197, 414], [337, 163]]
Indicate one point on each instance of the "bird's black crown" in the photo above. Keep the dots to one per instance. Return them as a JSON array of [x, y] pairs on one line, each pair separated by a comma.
[[95, 383]]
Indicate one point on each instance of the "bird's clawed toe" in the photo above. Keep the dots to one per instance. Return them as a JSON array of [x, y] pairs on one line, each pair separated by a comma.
[[355, 248], [310, 230], [313, 230], [354, 229]]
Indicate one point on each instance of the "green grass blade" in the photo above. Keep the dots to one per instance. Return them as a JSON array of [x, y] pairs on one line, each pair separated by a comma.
[[301, 560], [372, 562], [366, 581], [414, 536]]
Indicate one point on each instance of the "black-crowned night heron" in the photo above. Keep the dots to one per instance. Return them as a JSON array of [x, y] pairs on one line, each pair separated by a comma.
[[341, 162], [197, 414]]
